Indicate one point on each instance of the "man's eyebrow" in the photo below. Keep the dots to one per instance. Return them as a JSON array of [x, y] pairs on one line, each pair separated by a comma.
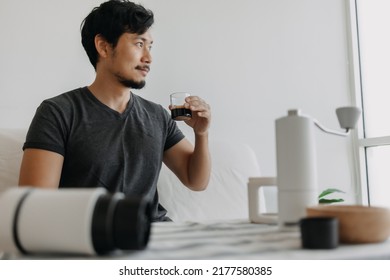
[[144, 39]]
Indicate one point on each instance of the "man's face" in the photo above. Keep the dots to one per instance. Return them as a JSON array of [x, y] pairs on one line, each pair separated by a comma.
[[130, 60]]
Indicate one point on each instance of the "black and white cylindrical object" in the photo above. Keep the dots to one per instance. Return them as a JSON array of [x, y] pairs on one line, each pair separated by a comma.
[[72, 221]]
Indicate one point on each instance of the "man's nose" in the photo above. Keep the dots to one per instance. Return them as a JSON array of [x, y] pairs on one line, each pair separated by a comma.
[[147, 57]]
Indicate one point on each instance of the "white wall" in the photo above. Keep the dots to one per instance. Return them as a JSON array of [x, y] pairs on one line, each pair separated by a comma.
[[252, 60]]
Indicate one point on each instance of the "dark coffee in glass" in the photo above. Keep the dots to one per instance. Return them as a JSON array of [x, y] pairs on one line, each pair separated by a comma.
[[178, 110], [181, 114]]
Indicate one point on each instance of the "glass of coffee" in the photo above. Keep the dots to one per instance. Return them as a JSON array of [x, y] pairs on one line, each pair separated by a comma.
[[178, 112]]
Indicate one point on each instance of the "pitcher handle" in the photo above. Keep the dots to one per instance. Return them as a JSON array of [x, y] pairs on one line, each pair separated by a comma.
[[254, 200]]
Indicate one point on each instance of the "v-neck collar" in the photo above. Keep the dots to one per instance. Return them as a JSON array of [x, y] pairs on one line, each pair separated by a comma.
[[122, 115]]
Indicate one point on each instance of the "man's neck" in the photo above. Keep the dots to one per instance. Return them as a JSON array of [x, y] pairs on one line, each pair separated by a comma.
[[114, 95]]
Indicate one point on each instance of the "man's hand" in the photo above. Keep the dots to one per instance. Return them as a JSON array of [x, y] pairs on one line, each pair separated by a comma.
[[201, 114]]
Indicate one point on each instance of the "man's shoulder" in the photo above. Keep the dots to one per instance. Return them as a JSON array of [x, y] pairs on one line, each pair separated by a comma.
[[150, 106], [67, 101], [66, 97], [143, 101]]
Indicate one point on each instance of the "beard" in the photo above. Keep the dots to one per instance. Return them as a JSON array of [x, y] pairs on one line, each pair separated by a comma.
[[130, 83]]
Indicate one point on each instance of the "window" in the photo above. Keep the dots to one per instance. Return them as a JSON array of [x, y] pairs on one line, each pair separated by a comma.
[[370, 38]]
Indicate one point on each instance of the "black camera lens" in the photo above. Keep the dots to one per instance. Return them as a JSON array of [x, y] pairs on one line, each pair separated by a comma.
[[132, 219], [120, 222]]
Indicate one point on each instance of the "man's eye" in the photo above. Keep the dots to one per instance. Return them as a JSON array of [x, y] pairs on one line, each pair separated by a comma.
[[140, 44]]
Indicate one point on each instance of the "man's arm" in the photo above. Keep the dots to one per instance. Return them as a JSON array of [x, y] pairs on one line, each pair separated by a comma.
[[40, 168], [192, 165]]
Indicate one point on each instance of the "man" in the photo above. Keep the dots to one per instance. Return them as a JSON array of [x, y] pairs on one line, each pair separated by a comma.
[[104, 135]]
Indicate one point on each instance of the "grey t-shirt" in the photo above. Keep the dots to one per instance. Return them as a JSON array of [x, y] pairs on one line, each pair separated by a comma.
[[103, 148]]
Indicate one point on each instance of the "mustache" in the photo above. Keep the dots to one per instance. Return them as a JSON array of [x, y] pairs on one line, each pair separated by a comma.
[[145, 67]]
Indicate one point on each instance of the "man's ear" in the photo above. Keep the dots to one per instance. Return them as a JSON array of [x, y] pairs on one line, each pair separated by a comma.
[[102, 46]]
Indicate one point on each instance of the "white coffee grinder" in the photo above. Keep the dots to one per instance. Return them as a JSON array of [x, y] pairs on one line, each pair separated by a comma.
[[296, 179]]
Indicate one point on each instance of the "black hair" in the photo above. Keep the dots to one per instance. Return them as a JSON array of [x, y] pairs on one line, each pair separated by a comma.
[[110, 20]]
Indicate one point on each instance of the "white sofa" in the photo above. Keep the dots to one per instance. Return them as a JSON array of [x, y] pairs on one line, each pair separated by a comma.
[[225, 197], [11, 141]]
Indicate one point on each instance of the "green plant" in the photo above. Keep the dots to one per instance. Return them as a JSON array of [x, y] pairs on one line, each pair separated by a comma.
[[329, 191]]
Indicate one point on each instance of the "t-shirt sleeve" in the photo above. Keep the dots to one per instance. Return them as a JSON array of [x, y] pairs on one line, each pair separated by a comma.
[[174, 134], [47, 129]]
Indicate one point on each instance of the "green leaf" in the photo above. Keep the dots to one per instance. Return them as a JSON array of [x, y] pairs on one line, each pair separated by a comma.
[[328, 201], [329, 191]]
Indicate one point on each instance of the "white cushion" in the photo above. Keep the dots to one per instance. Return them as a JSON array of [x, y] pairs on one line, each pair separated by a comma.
[[11, 143], [226, 195]]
